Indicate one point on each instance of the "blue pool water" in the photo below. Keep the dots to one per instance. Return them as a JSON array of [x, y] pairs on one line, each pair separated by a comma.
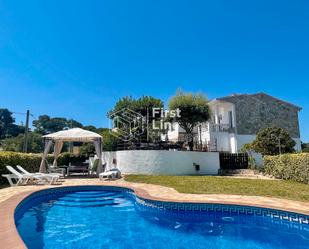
[[103, 218]]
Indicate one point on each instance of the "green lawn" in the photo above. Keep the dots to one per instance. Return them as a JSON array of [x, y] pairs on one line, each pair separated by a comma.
[[227, 185]]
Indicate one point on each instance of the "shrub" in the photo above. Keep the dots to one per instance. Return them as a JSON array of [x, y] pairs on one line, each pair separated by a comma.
[[305, 147], [31, 162], [269, 140], [288, 166], [35, 143], [66, 158], [248, 148]]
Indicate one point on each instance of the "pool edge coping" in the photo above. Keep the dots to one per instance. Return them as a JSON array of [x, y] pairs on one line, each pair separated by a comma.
[[10, 238]]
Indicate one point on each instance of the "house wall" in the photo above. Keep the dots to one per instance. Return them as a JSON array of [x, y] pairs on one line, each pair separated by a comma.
[[223, 140], [298, 144], [233, 143], [222, 109], [158, 162], [250, 114], [211, 131], [258, 111], [173, 134], [205, 135]]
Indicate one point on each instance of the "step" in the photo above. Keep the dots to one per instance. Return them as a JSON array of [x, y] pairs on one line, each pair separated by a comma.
[[238, 172]]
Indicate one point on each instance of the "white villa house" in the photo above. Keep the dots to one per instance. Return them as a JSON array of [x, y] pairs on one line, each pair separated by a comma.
[[236, 119]]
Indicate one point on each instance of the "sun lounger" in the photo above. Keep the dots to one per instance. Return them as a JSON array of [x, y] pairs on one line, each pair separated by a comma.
[[53, 170], [111, 174], [52, 177], [22, 179]]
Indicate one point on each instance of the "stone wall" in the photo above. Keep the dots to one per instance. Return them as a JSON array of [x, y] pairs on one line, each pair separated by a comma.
[[257, 111]]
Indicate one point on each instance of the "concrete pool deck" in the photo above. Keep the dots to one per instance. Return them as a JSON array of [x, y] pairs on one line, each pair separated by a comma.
[[11, 196]]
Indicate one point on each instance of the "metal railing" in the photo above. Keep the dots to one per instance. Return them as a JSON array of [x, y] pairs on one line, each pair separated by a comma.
[[234, 161], [221, 127]]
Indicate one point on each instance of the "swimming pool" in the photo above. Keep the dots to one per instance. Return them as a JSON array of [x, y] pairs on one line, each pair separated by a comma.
[[112, 217]]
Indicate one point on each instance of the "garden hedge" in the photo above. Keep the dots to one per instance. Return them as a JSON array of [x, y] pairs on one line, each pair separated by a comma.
[[31, 162], [288, 166]]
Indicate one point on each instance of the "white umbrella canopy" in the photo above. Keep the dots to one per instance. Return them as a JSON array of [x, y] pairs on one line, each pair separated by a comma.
[[74, 135], [71, 135]]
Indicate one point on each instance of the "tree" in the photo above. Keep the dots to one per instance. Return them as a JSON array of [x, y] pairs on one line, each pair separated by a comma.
[[87, 149], [35, 143], [7, 126], [91, 128], [144, 106], [124, 102], [46, 125], [110, 141], [194, 109], [94, 129], [273, 141], [6, 117], [71, 123]]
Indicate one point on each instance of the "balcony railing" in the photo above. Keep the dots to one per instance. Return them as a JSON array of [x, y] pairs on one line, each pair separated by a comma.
[[221, 128]]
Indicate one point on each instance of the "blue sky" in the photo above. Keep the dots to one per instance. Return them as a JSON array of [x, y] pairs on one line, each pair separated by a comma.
[[74, 58]]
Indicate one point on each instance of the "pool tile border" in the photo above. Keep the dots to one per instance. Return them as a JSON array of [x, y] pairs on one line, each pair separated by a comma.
[[225, 208]]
